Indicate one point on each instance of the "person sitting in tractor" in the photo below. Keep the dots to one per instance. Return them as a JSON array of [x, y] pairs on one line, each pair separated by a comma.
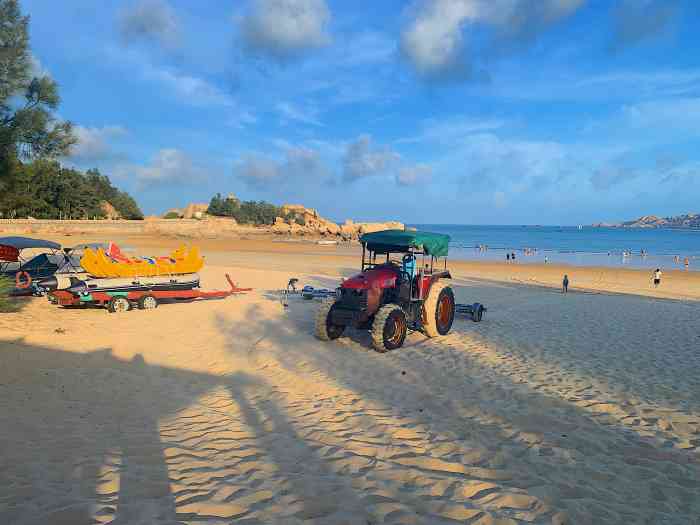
[[408, 264]]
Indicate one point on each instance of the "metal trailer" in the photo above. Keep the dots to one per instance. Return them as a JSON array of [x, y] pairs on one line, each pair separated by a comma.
[[122, 301]]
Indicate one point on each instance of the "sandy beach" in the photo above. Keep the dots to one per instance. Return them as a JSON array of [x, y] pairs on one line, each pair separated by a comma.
[[581, 408]]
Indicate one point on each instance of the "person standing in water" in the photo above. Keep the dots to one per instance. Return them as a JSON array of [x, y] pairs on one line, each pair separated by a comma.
[[657, 278], [565, 284]]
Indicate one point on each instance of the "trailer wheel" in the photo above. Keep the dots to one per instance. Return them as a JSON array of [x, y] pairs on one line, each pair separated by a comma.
[[118, 304], [389, 328], [147, 302], [325, 330], [438, 310]]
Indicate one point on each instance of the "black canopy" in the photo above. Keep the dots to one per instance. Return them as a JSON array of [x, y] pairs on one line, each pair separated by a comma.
[[22, 243]]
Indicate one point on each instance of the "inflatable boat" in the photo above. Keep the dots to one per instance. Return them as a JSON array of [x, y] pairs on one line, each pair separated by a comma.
[[113, 263]]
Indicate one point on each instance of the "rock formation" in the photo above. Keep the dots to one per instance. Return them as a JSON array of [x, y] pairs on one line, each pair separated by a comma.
[[689, 220], [299, 220], [110, 212]]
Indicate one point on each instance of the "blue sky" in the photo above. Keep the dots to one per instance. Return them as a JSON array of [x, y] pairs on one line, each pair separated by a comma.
[[439, 111]]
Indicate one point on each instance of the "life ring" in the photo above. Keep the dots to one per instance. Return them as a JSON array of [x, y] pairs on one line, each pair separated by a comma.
[[23, 284]]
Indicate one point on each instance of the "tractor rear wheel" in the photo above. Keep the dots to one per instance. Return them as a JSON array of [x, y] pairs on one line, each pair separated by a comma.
[[325, 329], [438, 310], [389, 328]]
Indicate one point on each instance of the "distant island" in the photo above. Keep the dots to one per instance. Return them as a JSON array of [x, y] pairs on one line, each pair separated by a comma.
[[688, 220]]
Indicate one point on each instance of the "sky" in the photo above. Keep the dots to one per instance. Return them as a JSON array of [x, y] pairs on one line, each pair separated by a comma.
[[426, 111]]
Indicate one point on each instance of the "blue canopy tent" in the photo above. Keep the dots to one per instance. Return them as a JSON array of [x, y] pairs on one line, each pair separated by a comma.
[[39, 266]]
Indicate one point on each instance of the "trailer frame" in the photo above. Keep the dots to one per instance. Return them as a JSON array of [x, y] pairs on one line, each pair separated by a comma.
[[65, 298]]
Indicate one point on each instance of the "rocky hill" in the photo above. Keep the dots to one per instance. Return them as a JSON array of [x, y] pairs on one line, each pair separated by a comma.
[[293, 219], [299, 220], [688, 220]]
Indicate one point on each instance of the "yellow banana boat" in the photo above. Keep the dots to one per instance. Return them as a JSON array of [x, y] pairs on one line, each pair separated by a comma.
[[112, 263]]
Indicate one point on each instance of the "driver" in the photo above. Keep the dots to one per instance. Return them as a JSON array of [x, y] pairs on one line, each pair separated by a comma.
[[408, 264]]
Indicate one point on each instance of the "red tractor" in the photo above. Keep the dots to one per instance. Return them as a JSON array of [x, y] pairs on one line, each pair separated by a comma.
[[393, 295]]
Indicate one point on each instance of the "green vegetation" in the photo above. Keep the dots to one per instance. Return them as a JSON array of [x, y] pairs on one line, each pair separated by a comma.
[[171, 215], [43, 189], [246, 212], [6, 303], [28, 128], [31, 184]]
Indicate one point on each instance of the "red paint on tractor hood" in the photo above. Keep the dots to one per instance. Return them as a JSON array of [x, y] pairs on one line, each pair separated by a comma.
[[374, 278]]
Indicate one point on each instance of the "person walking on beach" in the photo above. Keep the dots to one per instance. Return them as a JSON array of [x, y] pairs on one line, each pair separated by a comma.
[[512, 256], [565, 284], [546, 259], [507, 257], [686, 262], [657, 278]]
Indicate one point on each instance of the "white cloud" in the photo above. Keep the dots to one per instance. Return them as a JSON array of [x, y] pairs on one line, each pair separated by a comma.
[[306, 115], [151, 19], [285, 29], [299, 164], [194, 91], [93, 143], [36, 68], [434, 40], [363, 160], [451, 130], [169, 166], [413, 175]]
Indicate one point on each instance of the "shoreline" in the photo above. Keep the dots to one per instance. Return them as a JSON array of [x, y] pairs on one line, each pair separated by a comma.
[[266, 252]]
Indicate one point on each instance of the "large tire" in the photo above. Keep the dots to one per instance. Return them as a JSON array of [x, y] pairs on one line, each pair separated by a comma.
[[325, 330], [389, 328], [438, 310]]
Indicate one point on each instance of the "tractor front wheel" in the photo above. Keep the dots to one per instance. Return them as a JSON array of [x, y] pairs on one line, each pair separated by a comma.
[[325, 329], [389, 328], [438, 310]]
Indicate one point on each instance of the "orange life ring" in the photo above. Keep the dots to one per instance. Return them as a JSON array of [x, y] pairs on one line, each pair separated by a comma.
[[23, 284]]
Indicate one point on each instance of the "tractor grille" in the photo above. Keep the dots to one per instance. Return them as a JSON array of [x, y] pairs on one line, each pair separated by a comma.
[[352, 299]]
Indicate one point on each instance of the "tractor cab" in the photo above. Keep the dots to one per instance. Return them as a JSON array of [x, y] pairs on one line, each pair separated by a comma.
[[397, 289]]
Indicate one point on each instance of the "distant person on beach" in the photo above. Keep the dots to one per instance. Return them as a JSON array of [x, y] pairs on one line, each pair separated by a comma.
[[512, 256], [546, 259], [565, 284], [657, 278], [507, 257], [686, 262]]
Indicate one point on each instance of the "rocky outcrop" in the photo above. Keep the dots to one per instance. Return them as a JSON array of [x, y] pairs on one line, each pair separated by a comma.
[[109, 211], [299, 220], [195, 211], [191, 211], [689, 220]]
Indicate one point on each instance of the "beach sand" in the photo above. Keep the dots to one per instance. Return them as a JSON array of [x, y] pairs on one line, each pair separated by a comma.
[[580, 409]]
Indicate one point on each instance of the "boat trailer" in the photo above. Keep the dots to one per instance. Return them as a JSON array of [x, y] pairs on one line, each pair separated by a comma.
[[122, 301]]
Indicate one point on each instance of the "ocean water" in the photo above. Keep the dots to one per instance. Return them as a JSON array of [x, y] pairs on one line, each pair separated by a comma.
[[585, 246]]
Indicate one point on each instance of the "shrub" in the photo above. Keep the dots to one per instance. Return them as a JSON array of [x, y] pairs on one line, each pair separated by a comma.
[[171, 215], [6, 302]]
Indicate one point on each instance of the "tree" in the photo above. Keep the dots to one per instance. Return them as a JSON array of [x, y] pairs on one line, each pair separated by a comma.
[[27, 129]]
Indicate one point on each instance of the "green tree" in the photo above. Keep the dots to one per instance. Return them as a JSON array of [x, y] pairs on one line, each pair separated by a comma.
[[27, 129]]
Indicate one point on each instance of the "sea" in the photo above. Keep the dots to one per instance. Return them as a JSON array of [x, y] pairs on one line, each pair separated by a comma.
[[577, 245]]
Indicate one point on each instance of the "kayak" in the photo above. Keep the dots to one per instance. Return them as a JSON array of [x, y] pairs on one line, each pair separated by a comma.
[[113, 263]]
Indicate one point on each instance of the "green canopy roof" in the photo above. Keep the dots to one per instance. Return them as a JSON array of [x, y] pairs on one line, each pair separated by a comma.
[[435, 244]]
